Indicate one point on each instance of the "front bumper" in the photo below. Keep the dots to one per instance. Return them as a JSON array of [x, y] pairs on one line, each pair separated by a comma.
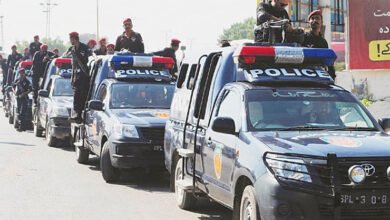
[[130, 155], [60, 128]]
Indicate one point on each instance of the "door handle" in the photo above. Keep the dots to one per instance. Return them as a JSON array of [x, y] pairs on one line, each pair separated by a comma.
[[209, 142]]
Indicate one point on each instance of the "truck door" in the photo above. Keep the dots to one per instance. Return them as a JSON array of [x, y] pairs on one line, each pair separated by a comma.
[[197, 126], [220, 150]]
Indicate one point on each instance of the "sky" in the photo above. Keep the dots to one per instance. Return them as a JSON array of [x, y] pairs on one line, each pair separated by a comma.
[[197, 23]]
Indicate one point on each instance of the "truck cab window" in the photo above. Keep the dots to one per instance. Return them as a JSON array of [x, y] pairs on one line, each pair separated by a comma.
[[230, 107]]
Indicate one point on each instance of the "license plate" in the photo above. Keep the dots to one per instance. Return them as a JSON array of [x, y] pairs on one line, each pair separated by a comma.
[[365, 199], [158, 148]]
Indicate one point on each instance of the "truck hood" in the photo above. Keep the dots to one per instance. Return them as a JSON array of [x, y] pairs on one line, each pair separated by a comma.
[[63, 101], [143, 117], [342, 143]]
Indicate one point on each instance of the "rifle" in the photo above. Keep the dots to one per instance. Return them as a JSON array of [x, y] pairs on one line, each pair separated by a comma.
[[78, 62]]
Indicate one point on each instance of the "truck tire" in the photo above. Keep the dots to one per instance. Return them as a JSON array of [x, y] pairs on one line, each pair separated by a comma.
[[82, 155], [184, 199], [249, 208], [10, 119], [37, 128], [15, 120], [110, 174], [51, 141]]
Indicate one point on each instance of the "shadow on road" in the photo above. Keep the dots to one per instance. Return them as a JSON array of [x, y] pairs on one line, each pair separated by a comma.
[[212, 210], [17, 144]]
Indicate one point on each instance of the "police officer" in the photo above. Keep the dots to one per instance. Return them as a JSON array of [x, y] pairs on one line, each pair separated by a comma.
[[130, 40], [13, 58], [314, 38], [170, 52], [26, 54], [56, 53], [22, 87], [110, 49], [272, 11], [4, 69], [80, 76], [35, 46], [40, 60], [102, 47], [91, 45]]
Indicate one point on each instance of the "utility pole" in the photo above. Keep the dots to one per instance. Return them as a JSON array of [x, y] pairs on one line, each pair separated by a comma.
[[2, 32], [48, 6], [97, 20]]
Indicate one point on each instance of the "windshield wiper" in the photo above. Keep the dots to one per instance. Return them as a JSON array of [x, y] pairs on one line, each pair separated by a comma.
[[302, 128], [353, 129]]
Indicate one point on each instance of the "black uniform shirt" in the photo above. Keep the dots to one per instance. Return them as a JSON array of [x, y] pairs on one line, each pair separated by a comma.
[[264, 13], [34, 47], [39, 62], [313, 41], [22, 86], [13, 59], [168, 52], [82, 52], [100, 51], [134, 43]]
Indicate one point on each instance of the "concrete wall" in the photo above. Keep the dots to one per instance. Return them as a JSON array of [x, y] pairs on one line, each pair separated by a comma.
[[371, 84]]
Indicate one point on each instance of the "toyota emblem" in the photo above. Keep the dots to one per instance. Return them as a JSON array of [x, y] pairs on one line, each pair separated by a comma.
[[368, 169]]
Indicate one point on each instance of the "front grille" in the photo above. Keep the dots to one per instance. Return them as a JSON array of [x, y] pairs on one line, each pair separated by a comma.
[[154, 134]]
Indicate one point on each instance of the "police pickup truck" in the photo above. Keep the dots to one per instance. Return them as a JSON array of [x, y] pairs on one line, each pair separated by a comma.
[[264, 131], [11, 103], [126, 112], [55, 99]]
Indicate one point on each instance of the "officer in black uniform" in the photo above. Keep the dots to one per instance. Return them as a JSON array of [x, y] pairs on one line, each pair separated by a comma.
[[4, 69], [56, 53], [80, 76], [314, 38], [102, 50], [271, 11], [21, 88], [170, 52], [26, 54], [40, 60], [13, 58], [130, 40], [35, 46]]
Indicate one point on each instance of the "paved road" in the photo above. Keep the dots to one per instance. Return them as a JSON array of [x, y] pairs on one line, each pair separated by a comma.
[[39, 182]]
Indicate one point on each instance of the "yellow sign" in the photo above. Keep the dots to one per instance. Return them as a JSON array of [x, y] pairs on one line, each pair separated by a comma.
[[218, 161], [379, 50]]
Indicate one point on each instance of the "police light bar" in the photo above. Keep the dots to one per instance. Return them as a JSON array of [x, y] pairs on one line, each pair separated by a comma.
[[141, 61], [59, 62], [26, 64], [284, 55]]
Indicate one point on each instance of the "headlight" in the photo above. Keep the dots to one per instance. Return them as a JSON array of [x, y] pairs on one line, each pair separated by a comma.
[[124, 130], [288, 168], [60, 112], [356, 174]]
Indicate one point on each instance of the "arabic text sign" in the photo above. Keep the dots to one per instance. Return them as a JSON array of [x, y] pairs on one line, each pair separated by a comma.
[[369, 34], [379, 50]]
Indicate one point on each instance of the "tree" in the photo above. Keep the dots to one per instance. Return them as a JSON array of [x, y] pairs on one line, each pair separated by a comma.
[[51, 43], [240, 30]]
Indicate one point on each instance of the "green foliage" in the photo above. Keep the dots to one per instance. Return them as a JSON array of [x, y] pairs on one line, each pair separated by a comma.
[[51, 43], [366, 102], [240, 30], [339, 66]]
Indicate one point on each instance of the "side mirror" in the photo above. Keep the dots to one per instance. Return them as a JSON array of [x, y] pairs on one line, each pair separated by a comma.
[[43, 93], [224, 125], [95, 105], [385, 123]]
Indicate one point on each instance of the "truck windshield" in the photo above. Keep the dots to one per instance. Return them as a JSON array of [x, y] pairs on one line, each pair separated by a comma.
[[305, 109], [62, 87], [141, 95]]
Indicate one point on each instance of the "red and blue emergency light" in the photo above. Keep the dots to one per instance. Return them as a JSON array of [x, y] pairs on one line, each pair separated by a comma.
[[59, 62], [284, 55], [141, 61], [25, 64]]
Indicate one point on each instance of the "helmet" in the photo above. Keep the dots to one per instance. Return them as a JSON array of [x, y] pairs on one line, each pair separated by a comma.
[[44, 47], [92, 42]]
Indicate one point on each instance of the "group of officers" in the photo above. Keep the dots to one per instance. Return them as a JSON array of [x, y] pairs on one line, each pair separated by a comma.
[[131, 41]]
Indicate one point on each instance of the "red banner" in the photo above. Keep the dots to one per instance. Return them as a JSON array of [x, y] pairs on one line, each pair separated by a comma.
[[369, 34]]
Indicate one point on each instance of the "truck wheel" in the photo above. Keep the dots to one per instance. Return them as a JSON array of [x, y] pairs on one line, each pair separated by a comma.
[[249, 207], [10, 119], [51, 141], [37, 128], [184, 199], [110, 174], [82, 155]]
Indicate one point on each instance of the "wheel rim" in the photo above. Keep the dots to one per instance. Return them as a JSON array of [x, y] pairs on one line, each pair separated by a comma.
[[247, 210], [179, 176]]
